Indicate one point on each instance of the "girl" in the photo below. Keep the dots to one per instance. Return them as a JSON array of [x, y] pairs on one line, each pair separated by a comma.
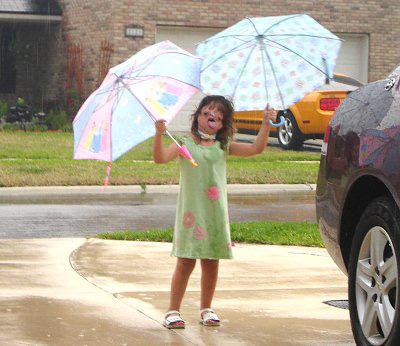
[[202, 226]]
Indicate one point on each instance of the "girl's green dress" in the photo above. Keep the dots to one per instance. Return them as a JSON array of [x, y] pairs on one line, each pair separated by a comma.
[[202, 223]]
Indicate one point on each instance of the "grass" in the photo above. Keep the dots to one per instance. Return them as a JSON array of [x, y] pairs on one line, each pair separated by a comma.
[[265, 232], [45, 159]]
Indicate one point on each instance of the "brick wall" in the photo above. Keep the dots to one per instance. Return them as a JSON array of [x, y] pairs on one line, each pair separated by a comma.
[[90, 21]]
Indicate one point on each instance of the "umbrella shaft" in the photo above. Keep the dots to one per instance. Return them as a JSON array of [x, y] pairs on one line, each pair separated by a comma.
[[173, 139]]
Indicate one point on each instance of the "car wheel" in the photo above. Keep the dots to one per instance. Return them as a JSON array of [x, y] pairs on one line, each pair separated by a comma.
[[289, 135], [373, 275]]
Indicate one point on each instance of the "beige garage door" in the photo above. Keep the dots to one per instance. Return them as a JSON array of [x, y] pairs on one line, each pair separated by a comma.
[[352, 61], [353, 57]]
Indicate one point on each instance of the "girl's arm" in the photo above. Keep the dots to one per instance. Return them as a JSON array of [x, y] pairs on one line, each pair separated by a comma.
[[160, 153], [243, 149]]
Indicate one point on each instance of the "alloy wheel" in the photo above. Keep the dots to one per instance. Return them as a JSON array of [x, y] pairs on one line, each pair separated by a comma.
[[286, 132], [376, 285]]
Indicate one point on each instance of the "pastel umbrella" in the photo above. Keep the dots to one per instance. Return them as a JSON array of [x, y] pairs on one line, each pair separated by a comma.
[[153, 84], [274, 60]]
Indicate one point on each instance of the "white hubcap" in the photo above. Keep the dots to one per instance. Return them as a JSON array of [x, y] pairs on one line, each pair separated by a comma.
[[376, 285], [286, 132]]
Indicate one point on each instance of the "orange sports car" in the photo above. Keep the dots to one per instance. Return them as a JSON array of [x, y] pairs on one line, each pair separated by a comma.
[[307, 119]]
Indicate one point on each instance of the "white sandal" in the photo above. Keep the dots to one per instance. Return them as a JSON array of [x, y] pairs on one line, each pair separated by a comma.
[[209, 318], [173, 320]]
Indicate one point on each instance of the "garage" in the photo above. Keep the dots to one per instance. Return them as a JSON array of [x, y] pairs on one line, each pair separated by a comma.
[[353, 56], [352, 61]]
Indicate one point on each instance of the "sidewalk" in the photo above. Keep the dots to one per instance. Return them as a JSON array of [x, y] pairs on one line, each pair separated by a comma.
[[98, 292]]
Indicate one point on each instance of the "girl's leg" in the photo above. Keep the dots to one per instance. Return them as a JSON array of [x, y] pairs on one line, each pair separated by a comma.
[[209, 276], [183, 269]]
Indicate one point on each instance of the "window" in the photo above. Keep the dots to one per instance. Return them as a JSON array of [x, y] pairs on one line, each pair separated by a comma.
[[7, 60]]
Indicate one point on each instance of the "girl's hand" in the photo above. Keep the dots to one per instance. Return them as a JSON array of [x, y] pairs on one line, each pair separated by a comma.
[[269, 114], [160, 127]]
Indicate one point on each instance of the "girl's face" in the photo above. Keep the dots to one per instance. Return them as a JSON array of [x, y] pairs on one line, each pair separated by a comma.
[[210, 119]]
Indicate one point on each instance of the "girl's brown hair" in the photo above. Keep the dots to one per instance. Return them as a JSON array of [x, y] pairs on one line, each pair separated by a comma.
[[226, 108]]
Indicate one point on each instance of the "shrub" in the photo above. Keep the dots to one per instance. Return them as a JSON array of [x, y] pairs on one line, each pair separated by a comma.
[[9, 127], [36, 127], [57, 120], [20, 113], [3, 109]]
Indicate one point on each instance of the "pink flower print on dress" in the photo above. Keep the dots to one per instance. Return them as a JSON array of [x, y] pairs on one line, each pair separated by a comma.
[[188, 219], [199, 233], [213, 193]]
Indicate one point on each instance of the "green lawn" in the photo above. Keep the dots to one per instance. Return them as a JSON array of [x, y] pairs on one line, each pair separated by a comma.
[[45, 159], [273, 233]]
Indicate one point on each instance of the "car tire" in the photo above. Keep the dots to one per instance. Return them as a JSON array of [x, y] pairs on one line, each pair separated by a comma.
[[289, 135], [373, 275]]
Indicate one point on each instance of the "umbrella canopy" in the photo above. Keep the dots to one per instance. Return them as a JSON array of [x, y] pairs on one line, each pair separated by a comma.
[[373, 113], [153, 84], [275, 60], [380, 148], [373, 106]]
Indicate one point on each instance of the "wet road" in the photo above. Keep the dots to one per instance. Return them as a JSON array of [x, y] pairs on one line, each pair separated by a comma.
[[66, 215]]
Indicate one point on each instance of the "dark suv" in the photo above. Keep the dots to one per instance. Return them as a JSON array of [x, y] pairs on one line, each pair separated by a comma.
[[357, 202]]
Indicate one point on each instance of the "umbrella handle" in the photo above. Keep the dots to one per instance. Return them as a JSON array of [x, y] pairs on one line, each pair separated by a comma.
[[281, 122], [183, 150]]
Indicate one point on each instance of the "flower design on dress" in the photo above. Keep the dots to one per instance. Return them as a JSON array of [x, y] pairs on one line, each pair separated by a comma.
[[199, 233], [188, 219], [213, 193]]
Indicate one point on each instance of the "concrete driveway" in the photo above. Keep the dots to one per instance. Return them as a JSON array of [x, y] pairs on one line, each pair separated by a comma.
[[73, 291]]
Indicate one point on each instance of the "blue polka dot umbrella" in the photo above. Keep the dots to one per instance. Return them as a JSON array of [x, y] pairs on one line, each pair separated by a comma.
[[275, 60]]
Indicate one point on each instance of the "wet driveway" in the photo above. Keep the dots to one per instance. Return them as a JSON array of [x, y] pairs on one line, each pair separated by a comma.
[[43, 215]]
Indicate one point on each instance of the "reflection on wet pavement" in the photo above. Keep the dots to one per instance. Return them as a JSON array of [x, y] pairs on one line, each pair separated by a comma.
[[75, 215]]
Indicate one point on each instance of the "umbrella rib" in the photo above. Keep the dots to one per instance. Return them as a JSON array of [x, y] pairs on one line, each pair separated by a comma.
[[119, 96], [109, 98], [147, 62], [265, 73], [242, 71], [292, 51], [307, 35], [274, 74], [95, 110], [147, 77], [169, 77], [234, 35], [225, 53], [141, 68], [361, 101], [283, 20], [106, 92], [254, 26], [147, 111]]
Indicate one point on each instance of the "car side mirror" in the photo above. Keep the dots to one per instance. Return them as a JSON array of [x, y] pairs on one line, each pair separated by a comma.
[[340, 78]]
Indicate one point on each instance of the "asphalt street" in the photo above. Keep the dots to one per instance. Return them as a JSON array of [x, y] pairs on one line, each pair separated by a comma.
[[44, 215]]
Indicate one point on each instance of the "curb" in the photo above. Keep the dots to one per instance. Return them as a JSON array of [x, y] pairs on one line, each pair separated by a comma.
[[251, 189]]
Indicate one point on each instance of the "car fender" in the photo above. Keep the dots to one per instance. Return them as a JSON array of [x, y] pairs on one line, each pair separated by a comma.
[[373, 173], [297, 115], [352, 206]]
